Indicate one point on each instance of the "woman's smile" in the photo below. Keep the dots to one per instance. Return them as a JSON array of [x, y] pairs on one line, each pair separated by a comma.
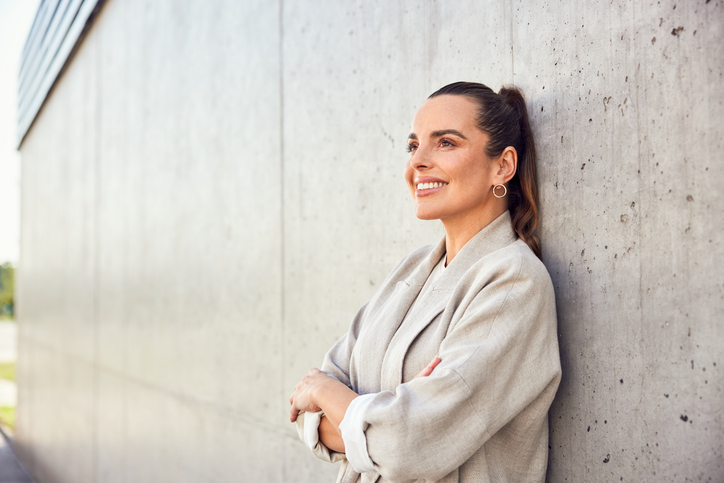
[[426, 186]]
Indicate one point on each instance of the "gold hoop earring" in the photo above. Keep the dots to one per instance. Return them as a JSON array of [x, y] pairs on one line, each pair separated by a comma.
[[505, 190]]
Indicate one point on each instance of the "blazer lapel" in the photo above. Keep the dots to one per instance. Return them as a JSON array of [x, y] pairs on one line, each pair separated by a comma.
[[422, 313], [389, 368], [497, 234], [384, 324]]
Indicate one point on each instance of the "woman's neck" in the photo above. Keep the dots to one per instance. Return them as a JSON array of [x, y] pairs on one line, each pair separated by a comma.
[[460, 230]]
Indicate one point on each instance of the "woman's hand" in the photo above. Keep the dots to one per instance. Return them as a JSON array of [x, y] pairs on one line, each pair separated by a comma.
[[428, 370], [317, 391], [303, 397]]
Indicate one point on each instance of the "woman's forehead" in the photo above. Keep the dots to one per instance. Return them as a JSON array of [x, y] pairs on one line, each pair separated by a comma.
[[445, 112]]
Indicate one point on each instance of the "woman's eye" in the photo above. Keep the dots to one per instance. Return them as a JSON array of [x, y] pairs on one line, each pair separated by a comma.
[[444, 143], [411, 148]]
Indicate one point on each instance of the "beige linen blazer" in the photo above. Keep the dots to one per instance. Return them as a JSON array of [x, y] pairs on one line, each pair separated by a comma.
[[482, 415]]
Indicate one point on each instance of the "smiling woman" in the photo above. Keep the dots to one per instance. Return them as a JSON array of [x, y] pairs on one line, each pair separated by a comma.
[[449, 172], [448, 372]]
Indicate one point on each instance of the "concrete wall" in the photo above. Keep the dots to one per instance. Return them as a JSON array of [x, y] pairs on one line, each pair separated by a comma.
[[213, 188]]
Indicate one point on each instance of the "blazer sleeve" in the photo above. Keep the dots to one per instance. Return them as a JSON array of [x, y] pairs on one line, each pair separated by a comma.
[[500, 355]]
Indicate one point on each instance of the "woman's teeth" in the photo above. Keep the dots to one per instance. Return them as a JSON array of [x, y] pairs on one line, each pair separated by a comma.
[[427, 186]]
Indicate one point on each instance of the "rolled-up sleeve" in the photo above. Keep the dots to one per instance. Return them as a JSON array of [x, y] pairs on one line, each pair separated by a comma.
[[353, 428], [308, 431]]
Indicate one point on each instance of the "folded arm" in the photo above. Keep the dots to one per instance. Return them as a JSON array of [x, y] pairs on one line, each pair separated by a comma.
[[317, 391], [330, 436]]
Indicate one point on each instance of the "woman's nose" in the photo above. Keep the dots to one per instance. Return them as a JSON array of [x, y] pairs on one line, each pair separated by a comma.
[[421, 160]]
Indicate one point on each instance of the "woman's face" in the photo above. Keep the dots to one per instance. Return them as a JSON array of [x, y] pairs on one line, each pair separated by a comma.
[[449, 175]]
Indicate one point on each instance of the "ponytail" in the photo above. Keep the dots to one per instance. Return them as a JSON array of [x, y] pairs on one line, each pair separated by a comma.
[[523, 187], [504, 117]]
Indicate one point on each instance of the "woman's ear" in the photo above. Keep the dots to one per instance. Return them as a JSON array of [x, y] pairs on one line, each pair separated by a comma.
[[507, 164]]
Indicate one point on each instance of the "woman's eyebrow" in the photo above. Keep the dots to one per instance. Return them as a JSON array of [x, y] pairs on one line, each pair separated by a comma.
[[437, 134]]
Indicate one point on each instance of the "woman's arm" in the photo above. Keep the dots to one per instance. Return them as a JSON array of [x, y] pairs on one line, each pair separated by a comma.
[[317, 391], [330, 436]]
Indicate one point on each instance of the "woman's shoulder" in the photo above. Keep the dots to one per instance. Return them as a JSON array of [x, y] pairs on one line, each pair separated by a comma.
[[524, 256], [514, 262], [508, 282]]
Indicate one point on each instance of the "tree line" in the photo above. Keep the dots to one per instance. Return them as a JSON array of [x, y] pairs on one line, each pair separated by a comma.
[[7, 290]]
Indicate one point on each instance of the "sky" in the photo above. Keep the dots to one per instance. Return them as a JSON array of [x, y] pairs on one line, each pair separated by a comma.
[[16, 17]]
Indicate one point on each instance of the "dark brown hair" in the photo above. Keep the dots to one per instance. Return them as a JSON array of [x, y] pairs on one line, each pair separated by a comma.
[[504, 118]]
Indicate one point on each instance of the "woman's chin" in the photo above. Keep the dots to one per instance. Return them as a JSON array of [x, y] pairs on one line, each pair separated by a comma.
[[426, 215]]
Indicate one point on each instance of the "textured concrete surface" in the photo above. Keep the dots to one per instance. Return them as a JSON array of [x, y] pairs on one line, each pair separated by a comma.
[[212, 190]]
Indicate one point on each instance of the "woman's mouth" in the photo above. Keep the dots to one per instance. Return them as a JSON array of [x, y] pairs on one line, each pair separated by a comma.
[[425, 189]]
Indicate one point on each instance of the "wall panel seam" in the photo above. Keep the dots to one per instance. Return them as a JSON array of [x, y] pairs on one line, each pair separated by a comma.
[[282, 217]]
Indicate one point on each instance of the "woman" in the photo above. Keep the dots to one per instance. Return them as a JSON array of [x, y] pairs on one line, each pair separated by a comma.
[[448, 372]]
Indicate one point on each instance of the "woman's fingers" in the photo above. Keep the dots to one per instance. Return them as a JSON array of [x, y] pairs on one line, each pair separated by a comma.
[[294, 411], [302, 398], [430, 367], [433, 364], [293, 414]]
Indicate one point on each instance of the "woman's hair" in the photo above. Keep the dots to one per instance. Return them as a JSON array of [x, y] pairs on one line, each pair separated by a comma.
[[504, 118]]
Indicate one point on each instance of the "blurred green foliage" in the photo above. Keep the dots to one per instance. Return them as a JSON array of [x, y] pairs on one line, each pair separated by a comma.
[[7, 416], [7, 371], [7, 291]]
